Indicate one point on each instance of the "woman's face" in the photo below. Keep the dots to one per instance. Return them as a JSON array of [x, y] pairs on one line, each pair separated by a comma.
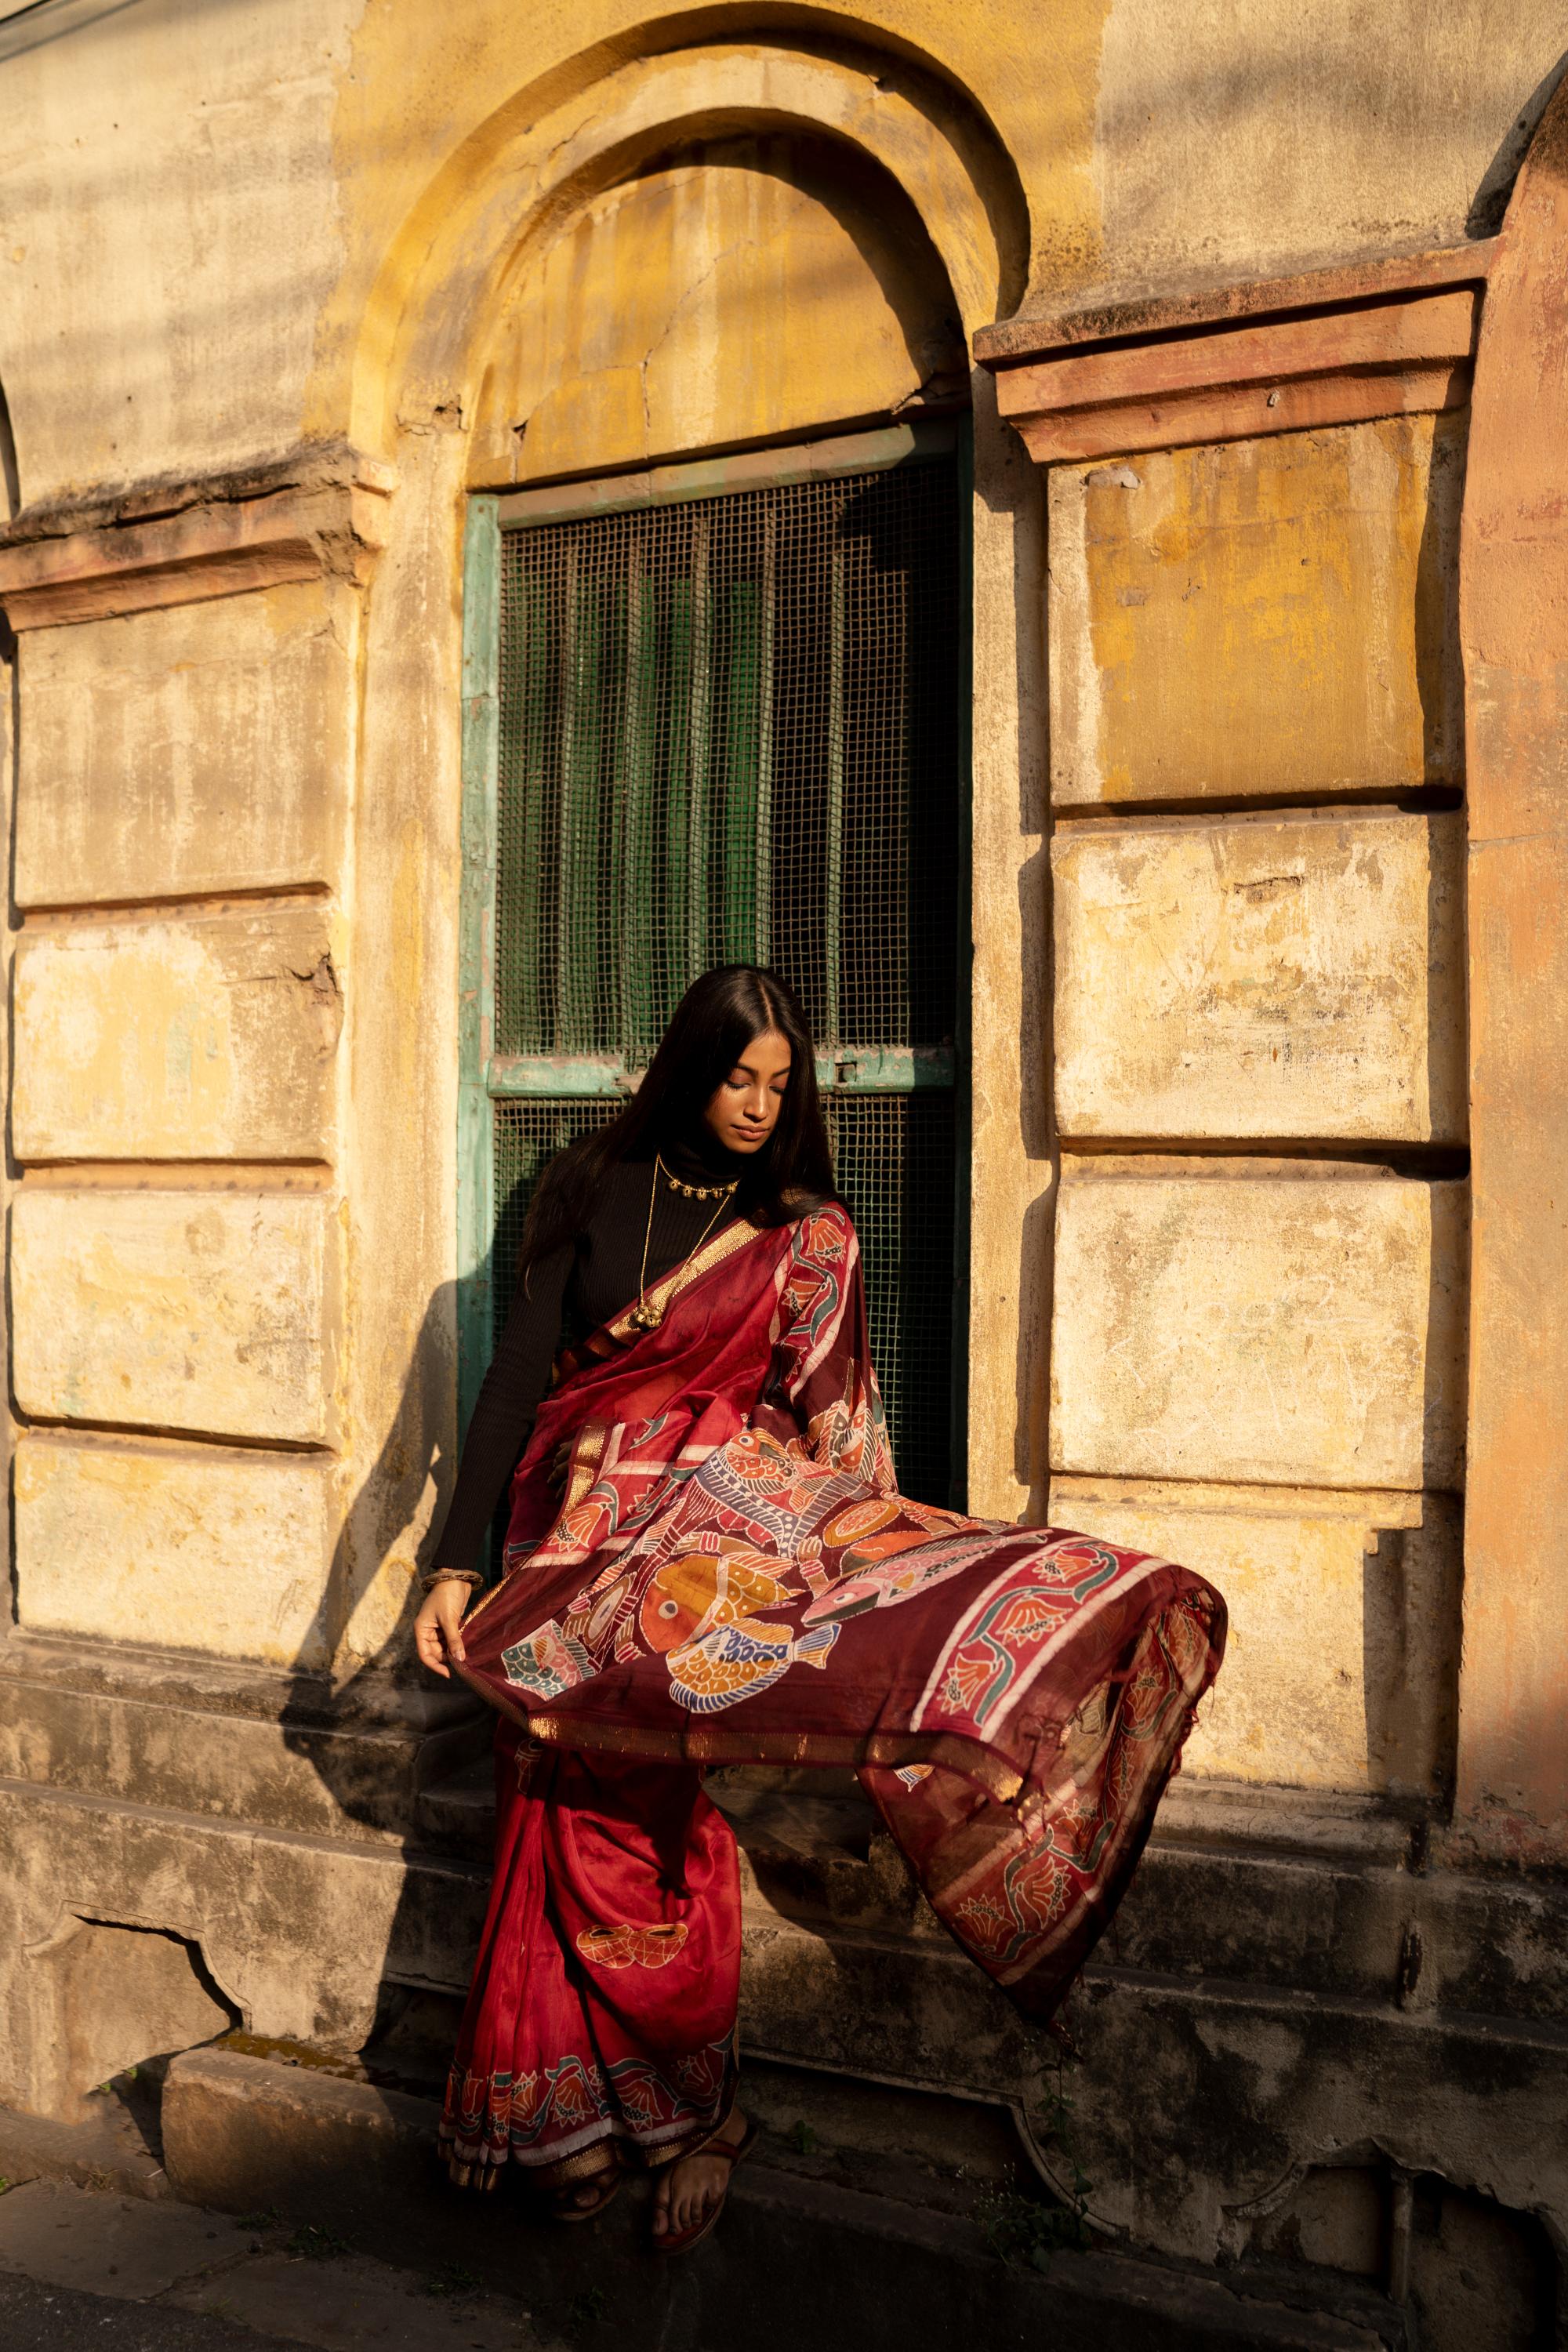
[[744, 1111]]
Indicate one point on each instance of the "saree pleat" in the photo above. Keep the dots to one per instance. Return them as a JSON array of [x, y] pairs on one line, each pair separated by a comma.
[[578, 2032]]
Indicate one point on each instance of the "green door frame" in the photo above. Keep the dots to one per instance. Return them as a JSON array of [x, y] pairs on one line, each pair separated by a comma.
[[485, 1077]]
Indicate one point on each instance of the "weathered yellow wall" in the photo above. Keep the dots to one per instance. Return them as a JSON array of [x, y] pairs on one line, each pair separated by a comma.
[[175, 1547], [1258, 1364], [742, 292], [173, 1310], [1262, 977], [207, 1037], [203, 748], [1287, 1324], [1260, 617], [1342, 1652], [236, 842], [265, 173]]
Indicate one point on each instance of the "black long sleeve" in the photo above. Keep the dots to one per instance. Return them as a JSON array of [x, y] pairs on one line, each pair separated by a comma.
[[508, 1400], [572, 1291]]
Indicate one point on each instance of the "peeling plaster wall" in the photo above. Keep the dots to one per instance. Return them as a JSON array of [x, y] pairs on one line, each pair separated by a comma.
[[1241, 141], [633, 334], [217, 210], [171, 234], [503, 246]]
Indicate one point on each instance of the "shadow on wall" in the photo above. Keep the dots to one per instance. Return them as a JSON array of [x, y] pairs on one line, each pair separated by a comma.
[[387, 1734], [10, 480], [1495, 186]]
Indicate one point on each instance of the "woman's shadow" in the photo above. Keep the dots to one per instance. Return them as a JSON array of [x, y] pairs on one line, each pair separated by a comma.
[[404, 1757]]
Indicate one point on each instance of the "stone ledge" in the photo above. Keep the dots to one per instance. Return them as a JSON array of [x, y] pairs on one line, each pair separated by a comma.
[[213, 1736], [1186, 309], [242, 2134], [178, 543], [1405, 357], [185, 1679], [110, 2150]]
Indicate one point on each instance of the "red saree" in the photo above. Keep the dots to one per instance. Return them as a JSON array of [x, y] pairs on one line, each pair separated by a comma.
[[731, 1576]]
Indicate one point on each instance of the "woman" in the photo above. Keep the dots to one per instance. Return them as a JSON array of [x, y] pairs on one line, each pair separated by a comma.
[[707, 1561]]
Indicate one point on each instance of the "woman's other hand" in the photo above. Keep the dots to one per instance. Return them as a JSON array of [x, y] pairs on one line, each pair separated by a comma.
[[437, 1633]]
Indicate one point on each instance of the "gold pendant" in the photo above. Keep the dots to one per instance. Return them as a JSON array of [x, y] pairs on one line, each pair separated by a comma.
[[644, 1316]]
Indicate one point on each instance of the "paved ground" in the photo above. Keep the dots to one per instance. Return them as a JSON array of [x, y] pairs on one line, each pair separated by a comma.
[[36, 2319], [80, 2269]]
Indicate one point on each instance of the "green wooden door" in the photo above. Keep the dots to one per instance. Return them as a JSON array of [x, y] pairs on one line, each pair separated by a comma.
[[716, 715]]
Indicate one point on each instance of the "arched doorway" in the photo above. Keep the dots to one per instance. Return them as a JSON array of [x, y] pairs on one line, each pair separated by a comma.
[[715, 702]]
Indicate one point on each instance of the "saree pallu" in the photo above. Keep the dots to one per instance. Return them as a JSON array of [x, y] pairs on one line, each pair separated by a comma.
[[730, 1575]]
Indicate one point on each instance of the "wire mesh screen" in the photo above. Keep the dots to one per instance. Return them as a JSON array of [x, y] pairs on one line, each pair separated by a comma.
[[729, 734], [526, 1135], [894, 1158], [893, 1155]]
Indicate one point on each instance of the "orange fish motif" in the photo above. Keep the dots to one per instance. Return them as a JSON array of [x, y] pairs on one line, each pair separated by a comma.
[[861, 1520], [703, 1613], [698, 1591], [625, 1945]]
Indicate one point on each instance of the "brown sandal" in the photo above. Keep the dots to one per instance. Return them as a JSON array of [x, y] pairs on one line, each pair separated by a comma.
[[684, 2240], [606, 2184]]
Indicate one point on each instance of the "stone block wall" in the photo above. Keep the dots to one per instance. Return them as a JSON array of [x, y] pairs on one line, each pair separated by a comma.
[[1259, 1337], [184, 786], [1239, 1291]]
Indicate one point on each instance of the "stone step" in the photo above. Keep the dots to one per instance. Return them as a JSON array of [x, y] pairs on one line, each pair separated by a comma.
[[457, 1815], [1295, 1894], [846, 2264], [244, 1743]]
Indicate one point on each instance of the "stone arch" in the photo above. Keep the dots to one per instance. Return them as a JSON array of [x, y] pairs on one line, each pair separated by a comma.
[[1512, 1786], [727, 291], [421, 341], [514, 184]]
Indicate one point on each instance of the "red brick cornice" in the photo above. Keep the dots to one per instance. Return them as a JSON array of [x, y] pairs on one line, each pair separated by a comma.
[[1334, 347]]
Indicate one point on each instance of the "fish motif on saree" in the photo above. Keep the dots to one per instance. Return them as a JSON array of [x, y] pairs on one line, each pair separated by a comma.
[[732, 1577]]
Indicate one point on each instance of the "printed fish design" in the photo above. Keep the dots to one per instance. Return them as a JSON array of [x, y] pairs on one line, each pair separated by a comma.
[[703, 1611]]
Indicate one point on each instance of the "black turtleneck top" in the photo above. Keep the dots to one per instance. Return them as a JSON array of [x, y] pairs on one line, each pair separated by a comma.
[[566, 1295]]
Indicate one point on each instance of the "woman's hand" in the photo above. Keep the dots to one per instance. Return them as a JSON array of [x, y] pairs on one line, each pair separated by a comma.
[[560, 1466], [436, 1629]]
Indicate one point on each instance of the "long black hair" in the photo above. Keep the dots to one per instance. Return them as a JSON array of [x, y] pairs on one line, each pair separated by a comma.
[[717, 1019]]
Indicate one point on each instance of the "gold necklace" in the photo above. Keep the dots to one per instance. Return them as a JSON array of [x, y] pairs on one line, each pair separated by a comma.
[[645, 1318]]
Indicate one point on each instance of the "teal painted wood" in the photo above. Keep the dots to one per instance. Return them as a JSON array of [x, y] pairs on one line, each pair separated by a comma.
[[833, 852], [885, 1069], [520, 965], [577, 876], [859, 1070], [475, 955], [763, 899], [682, 640], [635, 957], [696, 928], [737, 811], [753, 469], [541, 1077], [963, 1106]]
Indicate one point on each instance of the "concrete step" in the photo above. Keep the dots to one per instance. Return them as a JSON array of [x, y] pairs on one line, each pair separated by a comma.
[[242, 1743], [798, 2258]]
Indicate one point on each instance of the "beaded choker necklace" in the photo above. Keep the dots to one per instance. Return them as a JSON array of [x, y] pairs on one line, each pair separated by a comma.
[[647, 1318]]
